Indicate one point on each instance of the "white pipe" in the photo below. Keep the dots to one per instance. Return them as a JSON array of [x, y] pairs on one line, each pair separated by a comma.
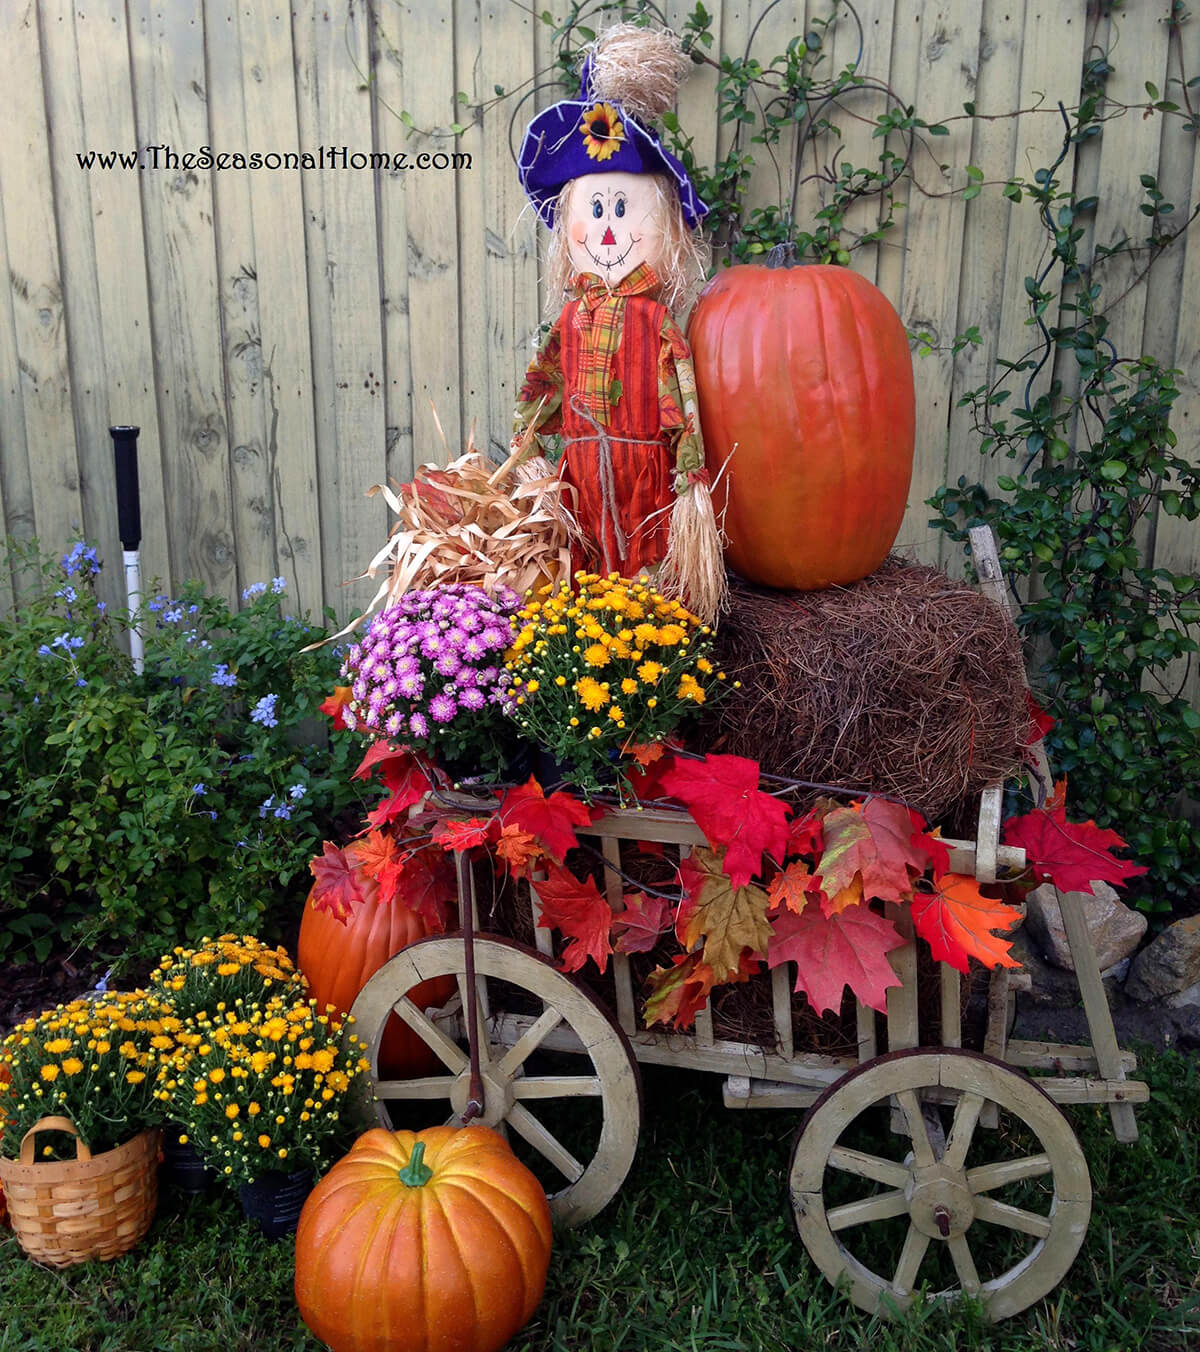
[[132, 560]]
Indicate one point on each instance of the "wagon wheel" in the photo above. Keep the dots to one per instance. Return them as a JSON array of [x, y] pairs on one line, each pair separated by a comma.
[[997, 1214], [598, 1110]]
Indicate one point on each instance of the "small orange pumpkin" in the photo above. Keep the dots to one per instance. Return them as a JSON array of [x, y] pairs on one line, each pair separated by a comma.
[[337, 959], [432, 1241]]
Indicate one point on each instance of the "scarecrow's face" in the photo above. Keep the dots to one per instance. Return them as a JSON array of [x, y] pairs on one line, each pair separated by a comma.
[[614, 223]]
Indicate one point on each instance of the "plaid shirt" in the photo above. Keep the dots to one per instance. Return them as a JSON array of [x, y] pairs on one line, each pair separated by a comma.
[[599, 320]]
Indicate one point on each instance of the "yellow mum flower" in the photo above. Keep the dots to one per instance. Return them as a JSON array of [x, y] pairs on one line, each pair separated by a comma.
[[704, 665], [646, 633], [72, 1065], [203, 959], [231, 1110], [592, 693], [264, 1141], [229, 968], [650, 672], [50, 1073], [253, 1109], [135, 1076], [629, 686], [616, 713], [216, 1075], [671, 634], [59, 1044], [596, 655]]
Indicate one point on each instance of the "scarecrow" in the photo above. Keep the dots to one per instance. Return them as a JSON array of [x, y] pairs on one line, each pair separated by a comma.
[[614, 377]]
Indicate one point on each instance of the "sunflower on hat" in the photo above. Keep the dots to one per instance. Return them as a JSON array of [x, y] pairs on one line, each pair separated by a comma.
[[602, 131]]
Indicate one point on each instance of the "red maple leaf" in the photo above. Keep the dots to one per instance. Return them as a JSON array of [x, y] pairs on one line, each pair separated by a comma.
[[956, 920], [832, 952], [875, 842], [336, 888], [427, 884], [678, 992], [334, 706], [806, 834], [579, 912], [551, 821], [1071, 855], [723, 796], [642, 922], [1040, 722], [517, 848], [464, 835]]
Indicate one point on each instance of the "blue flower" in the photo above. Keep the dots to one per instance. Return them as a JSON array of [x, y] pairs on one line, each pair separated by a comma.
[[101, 607], [223, 676], [297, 791], [44, 651], [68, 594], [173, 616], [81, 681], [193, 608], [283, 812], [161, 600], [265, 806], [199, 789], [264, 712], [253, 590], [278, 584], [67, 641], [81, 556]]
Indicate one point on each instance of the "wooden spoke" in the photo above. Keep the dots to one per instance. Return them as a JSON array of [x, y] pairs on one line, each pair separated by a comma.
[[606, 1085], [910, 1105], [874, 1167], [1011, 1217], [878, 1208], [942, 1199], [528, 1042], [964, 1264], [448, 1052], [989, 1176], [962, 1129], [523, 1121], [481, 1012], [556, 1086], [425, 1087], [915, 1244]]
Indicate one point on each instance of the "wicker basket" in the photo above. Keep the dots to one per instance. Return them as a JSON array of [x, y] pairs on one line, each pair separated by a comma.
[[71, 1211]]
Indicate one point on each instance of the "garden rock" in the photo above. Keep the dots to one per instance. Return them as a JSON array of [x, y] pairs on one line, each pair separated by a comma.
[[1115, 929], [1170, 966]]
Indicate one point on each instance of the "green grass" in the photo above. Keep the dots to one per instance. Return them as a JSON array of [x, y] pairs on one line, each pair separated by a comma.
[[698, 1252]]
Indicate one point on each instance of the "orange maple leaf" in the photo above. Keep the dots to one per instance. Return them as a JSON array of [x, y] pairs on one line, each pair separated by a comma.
[[790, 889], [517, 848], [646, 753], [957, 920]]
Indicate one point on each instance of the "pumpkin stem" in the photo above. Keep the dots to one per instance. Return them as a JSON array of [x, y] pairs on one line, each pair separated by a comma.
[[416, 1173], [782, 255]]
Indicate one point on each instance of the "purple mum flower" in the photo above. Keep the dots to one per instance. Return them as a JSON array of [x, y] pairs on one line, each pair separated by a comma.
[[472, 698], [418, 725], [442, 708]]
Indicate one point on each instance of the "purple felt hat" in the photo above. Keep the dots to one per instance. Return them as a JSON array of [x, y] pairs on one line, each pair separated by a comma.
[[594, 136]]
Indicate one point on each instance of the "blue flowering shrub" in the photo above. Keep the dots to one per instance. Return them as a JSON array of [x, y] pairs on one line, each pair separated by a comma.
[[140, 810]]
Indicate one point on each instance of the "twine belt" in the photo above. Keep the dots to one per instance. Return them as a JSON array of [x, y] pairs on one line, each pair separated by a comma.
[[608, 487]]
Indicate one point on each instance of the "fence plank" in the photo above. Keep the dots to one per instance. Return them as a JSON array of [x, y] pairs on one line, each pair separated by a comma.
[[35, 272], [169, 81]]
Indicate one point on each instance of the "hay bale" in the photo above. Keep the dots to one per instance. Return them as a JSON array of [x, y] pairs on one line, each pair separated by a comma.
[[905, 683]]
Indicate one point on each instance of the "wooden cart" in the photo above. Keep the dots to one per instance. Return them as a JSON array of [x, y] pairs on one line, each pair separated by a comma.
[[974, 1182]]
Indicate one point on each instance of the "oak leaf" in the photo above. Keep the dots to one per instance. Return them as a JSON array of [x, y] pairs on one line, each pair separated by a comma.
[[642, 922], [551, 821], [336, 889], [1071, 855], [956, 920], [832, 952], [729, 919], [723, 796], [579, 912]]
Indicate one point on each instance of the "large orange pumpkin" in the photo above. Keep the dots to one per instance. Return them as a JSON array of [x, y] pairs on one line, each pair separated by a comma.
[[337, 959], [434, 1241], [807, 372]]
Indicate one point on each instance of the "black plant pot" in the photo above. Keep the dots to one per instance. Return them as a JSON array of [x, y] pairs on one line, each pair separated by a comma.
[[274, 1200], [183, 1168]]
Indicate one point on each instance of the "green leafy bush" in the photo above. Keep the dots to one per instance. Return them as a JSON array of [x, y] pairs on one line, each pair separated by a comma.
[[139, 810]]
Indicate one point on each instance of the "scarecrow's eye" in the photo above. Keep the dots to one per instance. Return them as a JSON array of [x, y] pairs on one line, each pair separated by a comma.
[[620, 211], [597, 210]]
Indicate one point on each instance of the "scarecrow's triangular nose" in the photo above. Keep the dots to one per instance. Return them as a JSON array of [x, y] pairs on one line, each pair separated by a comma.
[[609, 237]]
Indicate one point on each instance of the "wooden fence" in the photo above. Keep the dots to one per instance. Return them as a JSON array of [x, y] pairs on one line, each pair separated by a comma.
[[282, 336]]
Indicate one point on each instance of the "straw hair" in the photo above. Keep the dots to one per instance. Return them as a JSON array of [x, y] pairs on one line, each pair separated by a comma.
[[694, 568], [681, 267], [639, 68]]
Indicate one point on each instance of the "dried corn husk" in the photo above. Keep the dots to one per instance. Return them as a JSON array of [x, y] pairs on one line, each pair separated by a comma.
[[477, 523]]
